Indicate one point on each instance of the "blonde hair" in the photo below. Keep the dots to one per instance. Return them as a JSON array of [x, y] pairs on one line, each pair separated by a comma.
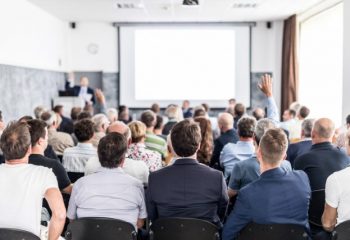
[[138, 131]]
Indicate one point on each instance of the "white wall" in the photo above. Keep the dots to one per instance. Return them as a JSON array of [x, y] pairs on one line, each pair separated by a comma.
[[30, 37], [267, 53], [346, 62], [104, 35]]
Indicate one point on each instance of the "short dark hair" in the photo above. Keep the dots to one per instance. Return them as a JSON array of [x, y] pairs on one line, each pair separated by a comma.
[[57, 108], [37, 130], [111, 150], [25, 118], [206, 107], [74, 113], [246, 127], [199, 113], [186, 138], [306, 127], [159, 122], [304, 112], [273, 145], [15, 140], [148, 118], [84, 115], [84, 130], [348, 119], [155, 108], [239, 109], [292, 113]]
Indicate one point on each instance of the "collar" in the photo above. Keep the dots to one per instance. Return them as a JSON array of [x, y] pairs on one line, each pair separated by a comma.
[[323, 145], [110, 170], [185, 161], [85, 145], [275, 172]]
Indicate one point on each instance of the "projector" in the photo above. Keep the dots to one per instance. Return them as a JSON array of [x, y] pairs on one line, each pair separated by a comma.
[[190, 2]]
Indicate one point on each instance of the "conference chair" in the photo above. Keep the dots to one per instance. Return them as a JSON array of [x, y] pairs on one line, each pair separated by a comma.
[[184, 229], [316, 207], [342, 231], [16, 234], [100, 228], [256, 231]]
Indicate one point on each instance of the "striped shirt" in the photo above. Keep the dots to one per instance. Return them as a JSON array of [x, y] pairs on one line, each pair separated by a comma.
[[155, 143], [75, 158]]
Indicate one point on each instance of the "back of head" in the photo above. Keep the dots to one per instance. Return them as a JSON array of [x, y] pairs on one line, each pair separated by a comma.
[[50, 118], [15, 141], [112, 114], [258, 113], [37, 129], [74, 113], [155, 108], [84, 130], [185, 138], [206, 107], [38, 111], [205, 126], [171, 112], [239, 110], [225, 120], [199, 112], [295, 106], [25, 118], [261, 127], [148, 118], [120, 127], [138, 131], [323, 130], [58, 109], [306, 127], [273, 146], [100, 122], [84, 115], [111, 150], [304, 112], [246, 127], [159, 122]]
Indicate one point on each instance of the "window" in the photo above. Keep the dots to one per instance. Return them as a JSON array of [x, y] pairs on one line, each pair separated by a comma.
[[321, 63]]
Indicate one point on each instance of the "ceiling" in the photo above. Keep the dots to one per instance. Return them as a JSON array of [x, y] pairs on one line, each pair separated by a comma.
[[173, 10]]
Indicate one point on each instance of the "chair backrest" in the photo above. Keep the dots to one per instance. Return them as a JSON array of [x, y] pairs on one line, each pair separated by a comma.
[[16, 234], [183, 229], [256, 231], [316, 207], [100, 228], [342, 231]]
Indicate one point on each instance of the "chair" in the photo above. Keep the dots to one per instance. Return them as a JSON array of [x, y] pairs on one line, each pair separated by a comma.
[[100, 228], [316, 207], [256, 231], [183, 229], [16, 234], [342, 231]]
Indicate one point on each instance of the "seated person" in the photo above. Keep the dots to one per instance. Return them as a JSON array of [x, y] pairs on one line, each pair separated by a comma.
[[23, 186], [247, 171], [187, 188], [233, 153], [110, 192], [277, 197], [75, 158]]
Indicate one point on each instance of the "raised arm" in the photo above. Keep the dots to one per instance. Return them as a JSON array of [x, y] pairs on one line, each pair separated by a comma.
[[265, 86]]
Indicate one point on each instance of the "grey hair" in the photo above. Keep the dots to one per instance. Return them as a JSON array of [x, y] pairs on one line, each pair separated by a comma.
[[262, 126], [307, 126], [99, 120], [38, 111], [52, 118], [111, 113]]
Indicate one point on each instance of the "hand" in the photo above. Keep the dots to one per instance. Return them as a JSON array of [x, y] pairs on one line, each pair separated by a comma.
[[100, 97], [265, 85]]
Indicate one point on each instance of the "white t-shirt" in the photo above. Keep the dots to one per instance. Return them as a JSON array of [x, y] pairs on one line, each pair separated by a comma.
[[338, 193], [22, 188]]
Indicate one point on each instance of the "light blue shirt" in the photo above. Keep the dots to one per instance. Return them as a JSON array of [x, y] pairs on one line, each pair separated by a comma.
[[272, 110], [233, 153]]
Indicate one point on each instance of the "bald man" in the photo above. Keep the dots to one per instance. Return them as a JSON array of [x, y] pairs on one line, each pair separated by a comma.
[[228, 135], [321, 161], [136, 169]]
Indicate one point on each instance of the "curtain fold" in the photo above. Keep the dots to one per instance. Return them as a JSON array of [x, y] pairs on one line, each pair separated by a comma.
[[290, 75]]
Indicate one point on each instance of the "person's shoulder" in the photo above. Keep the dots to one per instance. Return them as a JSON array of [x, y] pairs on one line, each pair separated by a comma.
[[134, 182], [342, 175]]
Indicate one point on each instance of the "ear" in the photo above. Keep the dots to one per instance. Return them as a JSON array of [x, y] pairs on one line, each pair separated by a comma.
[[259, 154], [285, 157]]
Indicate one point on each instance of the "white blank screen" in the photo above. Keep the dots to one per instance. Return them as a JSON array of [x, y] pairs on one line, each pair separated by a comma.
[[170, 64]]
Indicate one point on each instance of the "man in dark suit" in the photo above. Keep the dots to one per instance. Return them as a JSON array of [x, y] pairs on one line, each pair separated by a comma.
[[299, 148], [187, 188], [83, 90], [321, 161], [277, 197], [228, 135]]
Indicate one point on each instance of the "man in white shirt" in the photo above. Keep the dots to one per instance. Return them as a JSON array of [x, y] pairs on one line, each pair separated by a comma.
[[23, 186], [137, 169]]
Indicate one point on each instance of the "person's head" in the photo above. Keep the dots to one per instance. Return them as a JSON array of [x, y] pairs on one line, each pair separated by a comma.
[[185, 138], [261, 127], [288, 115], [120, 127], [101, 122], [199, 111], [306, 128], [138, 131], [84, 115], [185, 104], [231, 103], [348, 121], [258, 113], [84, 81], [303, 112], [111, 150], [25, 118], [89, 108], [322, 131], [15, 142], [50, 118], [205, 152], [206, 107], [155, 108], [246, 127], [112, 115], [149, 118], [171, 112], [38, 134], [38, 111], [74, 113], [58, 109], [295, 106], [159, 124], [84, 130], [225, 122], [272, 149], [239, 110], [123, 113]]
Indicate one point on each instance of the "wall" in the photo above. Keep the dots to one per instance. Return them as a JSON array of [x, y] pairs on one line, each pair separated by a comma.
[[346, 62]]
